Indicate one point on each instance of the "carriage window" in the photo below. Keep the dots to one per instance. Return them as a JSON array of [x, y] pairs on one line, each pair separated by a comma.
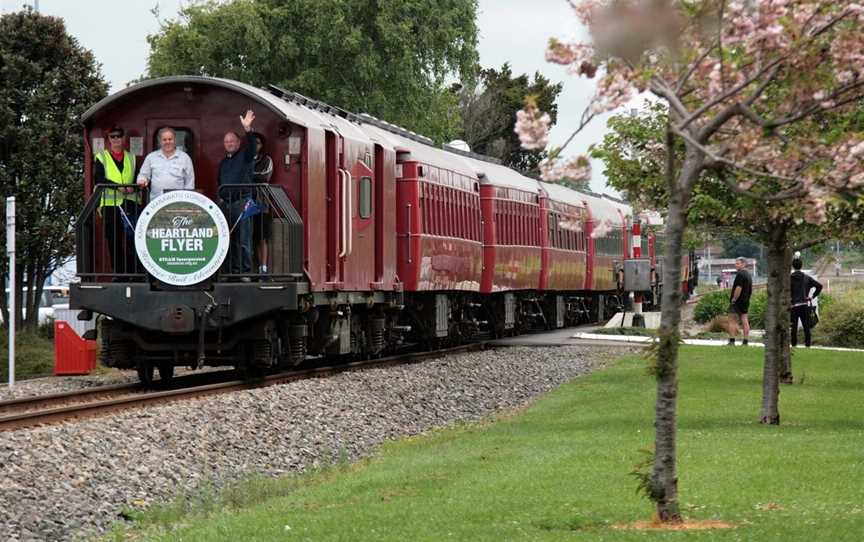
[[184, 140], [365, 197]]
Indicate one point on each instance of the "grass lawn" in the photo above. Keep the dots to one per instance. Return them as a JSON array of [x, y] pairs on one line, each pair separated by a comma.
[[34, 355], [559, 469]]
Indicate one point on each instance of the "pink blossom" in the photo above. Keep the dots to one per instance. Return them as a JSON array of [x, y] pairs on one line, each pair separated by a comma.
[[586, 10], [532, 126], [613, 91], [815, 206], [601, 229], [576, 169]]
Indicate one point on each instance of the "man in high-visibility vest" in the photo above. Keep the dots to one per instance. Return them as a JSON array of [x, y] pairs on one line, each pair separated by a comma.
[[119, 206]]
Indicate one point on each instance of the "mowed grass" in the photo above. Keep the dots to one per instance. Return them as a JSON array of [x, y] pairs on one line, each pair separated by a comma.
[[559, 469]]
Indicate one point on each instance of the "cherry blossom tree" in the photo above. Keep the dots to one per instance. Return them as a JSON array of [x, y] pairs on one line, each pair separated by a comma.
[[740, 80], [634, 164]]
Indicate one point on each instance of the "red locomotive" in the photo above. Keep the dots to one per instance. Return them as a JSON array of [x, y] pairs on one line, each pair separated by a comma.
[[378, 237]]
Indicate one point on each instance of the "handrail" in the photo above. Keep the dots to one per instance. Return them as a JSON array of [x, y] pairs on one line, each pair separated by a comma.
[[408, 235], [342, 243], [350, 213]]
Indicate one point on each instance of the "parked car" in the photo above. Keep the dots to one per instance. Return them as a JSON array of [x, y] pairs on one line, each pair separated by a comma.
[[51, 296]]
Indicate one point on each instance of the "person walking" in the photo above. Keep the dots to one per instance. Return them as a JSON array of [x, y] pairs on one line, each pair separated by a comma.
[[739, 302], [801, 286], [168, 168], [115, 168]]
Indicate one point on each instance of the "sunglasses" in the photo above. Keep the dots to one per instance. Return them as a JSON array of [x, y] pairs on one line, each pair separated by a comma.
[[115, 136]]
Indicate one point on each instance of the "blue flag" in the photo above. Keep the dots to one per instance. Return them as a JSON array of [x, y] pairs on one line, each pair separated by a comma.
[[250, 209], [128, 225]]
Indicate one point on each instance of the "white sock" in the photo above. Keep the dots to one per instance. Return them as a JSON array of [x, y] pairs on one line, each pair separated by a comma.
[[263, 269]]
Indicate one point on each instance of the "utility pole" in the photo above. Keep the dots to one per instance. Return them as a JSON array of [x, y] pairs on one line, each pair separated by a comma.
[[13, 314]]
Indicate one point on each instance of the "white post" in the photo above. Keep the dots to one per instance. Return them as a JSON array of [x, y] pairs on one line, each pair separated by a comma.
[[10, 249]]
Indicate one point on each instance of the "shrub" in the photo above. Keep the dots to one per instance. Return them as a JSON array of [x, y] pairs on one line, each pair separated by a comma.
[[711, 305], [842, 322], [758, 302], [46, 330]]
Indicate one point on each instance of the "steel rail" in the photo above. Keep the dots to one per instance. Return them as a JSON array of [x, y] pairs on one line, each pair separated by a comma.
[[100, 407], [30, 402]]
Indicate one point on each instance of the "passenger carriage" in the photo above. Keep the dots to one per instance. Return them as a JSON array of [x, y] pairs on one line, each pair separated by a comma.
[[379, 238]]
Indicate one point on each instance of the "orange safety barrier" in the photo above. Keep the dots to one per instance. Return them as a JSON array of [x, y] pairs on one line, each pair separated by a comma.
[[72, 354]]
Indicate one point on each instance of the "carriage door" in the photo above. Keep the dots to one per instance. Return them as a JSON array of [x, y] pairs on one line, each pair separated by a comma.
[[334, 180], [188, 140], [359, 270]]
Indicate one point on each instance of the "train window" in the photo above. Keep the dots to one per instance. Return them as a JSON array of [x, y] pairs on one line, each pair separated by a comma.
[[365, 197], [183, 140]]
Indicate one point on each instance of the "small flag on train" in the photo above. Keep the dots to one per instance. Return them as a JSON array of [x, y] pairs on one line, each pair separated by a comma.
[[250, 209], [128, 225]]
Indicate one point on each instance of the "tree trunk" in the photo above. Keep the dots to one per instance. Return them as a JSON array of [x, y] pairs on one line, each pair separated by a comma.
[[664, 478], [786, 316], [776, 322]]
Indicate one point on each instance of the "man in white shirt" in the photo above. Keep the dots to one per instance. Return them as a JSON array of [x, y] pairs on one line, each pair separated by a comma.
[[168, 168]]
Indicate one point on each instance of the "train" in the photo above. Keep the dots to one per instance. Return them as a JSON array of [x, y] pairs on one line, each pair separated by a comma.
[[378, 239]]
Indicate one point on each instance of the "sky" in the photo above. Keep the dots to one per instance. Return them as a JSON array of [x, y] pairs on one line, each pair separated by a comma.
[[514, 31]]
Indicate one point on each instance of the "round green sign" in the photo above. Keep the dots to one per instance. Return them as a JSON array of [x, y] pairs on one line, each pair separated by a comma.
[[182, 238]]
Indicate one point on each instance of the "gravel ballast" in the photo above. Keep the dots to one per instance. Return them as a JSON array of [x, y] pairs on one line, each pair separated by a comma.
[[76, 477]]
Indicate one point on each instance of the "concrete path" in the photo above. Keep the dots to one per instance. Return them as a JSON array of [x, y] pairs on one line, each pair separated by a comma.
[[629, 339]]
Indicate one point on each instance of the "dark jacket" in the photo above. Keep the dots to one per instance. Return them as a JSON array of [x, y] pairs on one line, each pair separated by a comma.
[[800, 286], [237, 168]]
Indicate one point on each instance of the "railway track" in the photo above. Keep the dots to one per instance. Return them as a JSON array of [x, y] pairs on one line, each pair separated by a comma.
[[55, 408]]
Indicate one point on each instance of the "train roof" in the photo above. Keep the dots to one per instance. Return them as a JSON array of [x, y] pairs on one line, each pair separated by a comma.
[[563, 194], [420, 151], [624, 208], [601, 209], [293, 111], [494, 174]]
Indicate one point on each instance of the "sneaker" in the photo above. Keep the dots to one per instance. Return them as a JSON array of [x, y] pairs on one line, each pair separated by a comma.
[[731, 342], [744, 342]]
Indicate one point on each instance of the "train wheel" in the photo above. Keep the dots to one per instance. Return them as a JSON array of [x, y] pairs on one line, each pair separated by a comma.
[[166, 372], [145, 373]]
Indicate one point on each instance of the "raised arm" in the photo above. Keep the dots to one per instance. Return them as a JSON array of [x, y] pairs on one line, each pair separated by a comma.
[[249, 151]]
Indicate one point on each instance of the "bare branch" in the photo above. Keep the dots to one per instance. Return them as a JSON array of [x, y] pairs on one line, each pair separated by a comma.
[[693, 67], [762, 86], [815, 107], [717, 122], [789, 193], [812, 243], [716, 159], [662, 90], [771, 66], [587, 116], [728, 94]]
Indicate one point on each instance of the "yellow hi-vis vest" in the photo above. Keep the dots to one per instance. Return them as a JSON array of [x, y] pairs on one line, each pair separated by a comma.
[[112, 198]]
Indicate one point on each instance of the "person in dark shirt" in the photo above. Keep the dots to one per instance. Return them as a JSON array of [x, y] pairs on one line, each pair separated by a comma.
[[739, 301], [235, 169], [800, 287]]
